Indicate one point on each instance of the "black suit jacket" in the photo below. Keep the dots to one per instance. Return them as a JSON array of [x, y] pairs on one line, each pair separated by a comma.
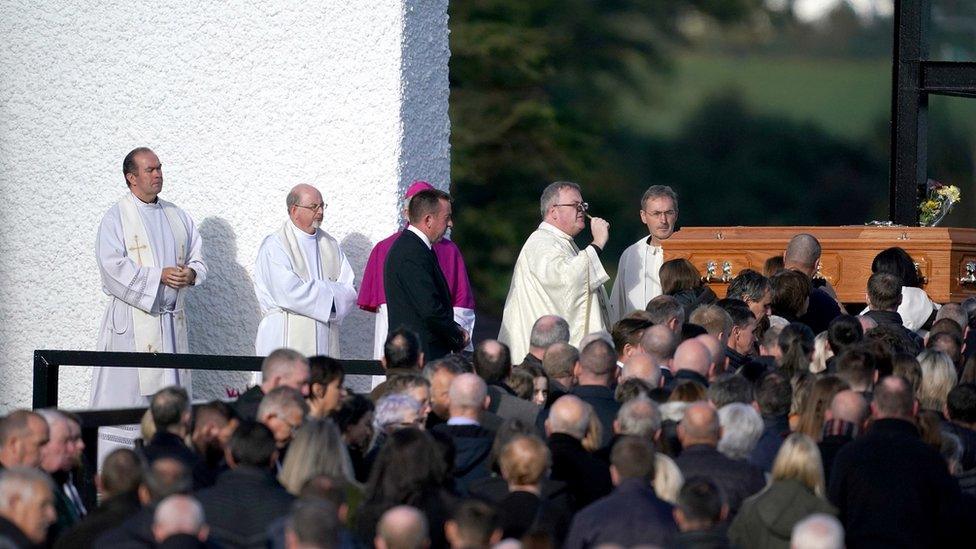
[[418, 298]]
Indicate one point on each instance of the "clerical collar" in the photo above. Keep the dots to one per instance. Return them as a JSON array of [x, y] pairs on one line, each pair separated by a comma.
[[301, 233], [549, 227], [421, 234], [139, 201]]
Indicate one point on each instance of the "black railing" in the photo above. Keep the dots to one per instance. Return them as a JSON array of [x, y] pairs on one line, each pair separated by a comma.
[[48, 363]]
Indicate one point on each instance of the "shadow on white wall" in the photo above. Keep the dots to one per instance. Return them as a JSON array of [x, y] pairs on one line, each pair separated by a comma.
[[223, 312]]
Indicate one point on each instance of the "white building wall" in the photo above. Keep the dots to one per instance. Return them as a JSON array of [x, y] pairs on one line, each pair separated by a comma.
[[240, 100]]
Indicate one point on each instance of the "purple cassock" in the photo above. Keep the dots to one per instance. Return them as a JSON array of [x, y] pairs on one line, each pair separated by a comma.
[[372, 296]]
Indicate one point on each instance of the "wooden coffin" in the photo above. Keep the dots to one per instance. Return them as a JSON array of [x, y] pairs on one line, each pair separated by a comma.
[[946, 257]]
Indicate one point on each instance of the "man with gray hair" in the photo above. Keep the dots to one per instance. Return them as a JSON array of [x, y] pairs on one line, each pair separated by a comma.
[[283, 411], [57, 460], [587, 478], [818, 531], [303, 281], [283, 367], [182, 516], [552, 276], [665, 310], [394, 412], [402, 527], [638, 417], [26, 507], [638, 280], [472, 442], [560, 364], [741, 428], [546, 332]]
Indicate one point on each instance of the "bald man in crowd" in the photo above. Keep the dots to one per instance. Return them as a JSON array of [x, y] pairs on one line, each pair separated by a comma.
[[699, 432], [493, 362], [642, 367], [402, 527], [597, 372], [843, 421], [587, 478], [891, 488], [803, 255], [179, 518], [716, 350], [693, 362], [472, 442], [659, 343]]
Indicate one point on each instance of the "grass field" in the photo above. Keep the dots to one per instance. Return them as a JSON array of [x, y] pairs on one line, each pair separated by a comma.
[[847, 97]]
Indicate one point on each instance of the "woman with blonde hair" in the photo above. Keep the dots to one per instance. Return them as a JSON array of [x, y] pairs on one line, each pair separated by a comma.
[[796, 492], [317, 449], [938, 378], [821, 353]]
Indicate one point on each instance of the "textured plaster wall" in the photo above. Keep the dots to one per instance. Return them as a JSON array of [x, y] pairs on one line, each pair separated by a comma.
[[240, 100]]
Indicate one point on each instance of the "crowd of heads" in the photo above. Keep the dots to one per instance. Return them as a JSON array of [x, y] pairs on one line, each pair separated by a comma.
[[691, 399]]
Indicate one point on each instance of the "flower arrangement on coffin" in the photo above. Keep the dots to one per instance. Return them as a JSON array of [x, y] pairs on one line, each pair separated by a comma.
[[939, 202]]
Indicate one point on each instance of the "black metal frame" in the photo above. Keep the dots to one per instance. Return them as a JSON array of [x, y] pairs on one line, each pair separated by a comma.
[[914, 77], [48, 363]]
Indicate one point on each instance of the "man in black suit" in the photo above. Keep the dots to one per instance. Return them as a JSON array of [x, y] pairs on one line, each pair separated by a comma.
[[417, 295], [699, 433], [892, 489], [247, 499]]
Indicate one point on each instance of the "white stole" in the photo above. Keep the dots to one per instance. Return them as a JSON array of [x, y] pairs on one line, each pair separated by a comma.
[[300, 330], [147, 327]]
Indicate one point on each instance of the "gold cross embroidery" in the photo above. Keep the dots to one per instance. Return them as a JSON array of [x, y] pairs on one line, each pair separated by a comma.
[[138, 249]]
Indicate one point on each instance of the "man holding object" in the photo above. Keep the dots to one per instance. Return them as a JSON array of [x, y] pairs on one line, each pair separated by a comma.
[[553, 277]]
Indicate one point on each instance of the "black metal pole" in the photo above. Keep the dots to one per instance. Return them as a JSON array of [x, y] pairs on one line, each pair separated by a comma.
[[909, 110]]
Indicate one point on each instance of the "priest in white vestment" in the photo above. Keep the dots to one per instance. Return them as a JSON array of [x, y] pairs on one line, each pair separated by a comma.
[[149, 256], [638, 273], [554, 277], [303, 281]]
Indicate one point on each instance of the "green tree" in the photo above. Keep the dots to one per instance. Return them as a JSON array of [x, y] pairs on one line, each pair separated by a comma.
[[535, 91]]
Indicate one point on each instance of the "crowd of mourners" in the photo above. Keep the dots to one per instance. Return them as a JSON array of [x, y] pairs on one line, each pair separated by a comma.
[[769, 418]]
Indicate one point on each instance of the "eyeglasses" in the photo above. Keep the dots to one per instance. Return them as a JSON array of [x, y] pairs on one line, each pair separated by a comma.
[[314, 207], [666, 213], [580, 206]]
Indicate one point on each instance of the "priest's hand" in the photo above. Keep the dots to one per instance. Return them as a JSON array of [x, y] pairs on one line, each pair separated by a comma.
[[601, 231], [467, 338], [177, 277]]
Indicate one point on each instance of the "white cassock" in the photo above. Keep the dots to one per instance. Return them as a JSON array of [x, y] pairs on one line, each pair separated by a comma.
[[552, 276], [638, 278], [135, 241], [304, 284]]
